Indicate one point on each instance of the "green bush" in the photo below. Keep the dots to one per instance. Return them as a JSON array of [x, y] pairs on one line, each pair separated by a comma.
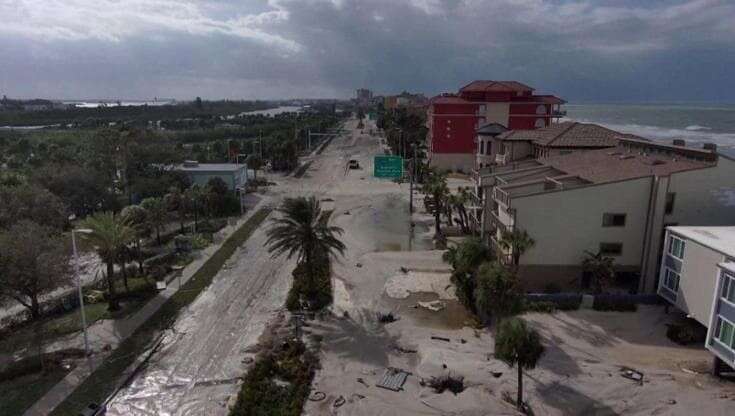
[[540, 307], [616, 304], [311, 294], [293, 366]]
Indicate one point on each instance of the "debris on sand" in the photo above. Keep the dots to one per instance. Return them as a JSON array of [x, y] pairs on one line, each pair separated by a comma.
[[496, 374], [386, 318], [339, 402], [632, 374], [358, 265], [447, 382], [392, 379], [405, 350], [317, 396], [362, 381], [403, 270], [434, 305], [440, 338]]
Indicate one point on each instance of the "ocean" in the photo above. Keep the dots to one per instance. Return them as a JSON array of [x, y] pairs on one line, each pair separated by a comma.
[[695, 123]]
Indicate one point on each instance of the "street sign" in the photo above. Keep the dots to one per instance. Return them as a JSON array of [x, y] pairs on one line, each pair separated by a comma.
[[390, 167]]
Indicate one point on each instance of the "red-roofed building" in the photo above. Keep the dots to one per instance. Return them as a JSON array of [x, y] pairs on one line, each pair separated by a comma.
[[452, 119]]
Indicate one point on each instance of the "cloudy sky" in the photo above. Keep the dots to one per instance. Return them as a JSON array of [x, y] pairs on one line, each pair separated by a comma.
[[582, 50]]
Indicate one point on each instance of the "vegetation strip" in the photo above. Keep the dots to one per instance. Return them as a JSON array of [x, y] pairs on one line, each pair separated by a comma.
[[100, 384]]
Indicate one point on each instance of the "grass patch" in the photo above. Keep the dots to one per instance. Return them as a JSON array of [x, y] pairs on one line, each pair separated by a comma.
[[21, 393], [24, 336], [279, 382], [98, 386]]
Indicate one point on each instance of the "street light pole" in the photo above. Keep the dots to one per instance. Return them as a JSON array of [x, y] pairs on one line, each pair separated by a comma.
[[413, 175], [79, 286]]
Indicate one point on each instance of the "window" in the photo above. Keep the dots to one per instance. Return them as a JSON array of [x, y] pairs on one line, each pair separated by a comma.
[[724, 333], [611, 249], [671, 280], [613, 220], [482, 147], [540, 123], [676, 247], [541, 109], [670, 198], [488, 147], [728, 287]]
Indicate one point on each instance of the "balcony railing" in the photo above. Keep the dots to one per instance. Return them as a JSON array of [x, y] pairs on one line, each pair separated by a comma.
[[559, 113], [502, 196], [501, 159]]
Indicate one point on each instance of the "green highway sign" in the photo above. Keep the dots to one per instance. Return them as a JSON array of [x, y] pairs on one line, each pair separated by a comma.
[[390, 167]]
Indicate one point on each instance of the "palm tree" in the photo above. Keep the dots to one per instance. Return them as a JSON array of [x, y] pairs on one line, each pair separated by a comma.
[[436, 188], [602, 269], [302, 230], [174, 201], [194, 200], [137, 217], [157, 212], [109, 235], [518, 345], [517, 242], [497, 293]]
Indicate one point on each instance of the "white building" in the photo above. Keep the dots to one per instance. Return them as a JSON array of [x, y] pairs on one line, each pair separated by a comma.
[[234, 175], [616, 201], [698, 276]]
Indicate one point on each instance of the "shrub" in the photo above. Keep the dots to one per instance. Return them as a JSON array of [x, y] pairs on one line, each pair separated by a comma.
[[278, 383], [311, 294], [616, 304], [540, 307]]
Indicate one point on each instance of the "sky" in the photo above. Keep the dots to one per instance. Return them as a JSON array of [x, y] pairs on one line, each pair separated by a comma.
[[581, 50]]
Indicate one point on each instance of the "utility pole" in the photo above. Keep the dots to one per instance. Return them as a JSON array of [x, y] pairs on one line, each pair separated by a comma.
[[413, 175]]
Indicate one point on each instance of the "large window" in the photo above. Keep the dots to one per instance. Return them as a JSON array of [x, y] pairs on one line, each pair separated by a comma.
[[488, 147], [671, 280], [728, 287], [611, 249], [613, 220], [725, 331], [676, 247]]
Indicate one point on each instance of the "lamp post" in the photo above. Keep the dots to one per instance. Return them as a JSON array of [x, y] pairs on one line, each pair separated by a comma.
[[413, 174], [79, 284]]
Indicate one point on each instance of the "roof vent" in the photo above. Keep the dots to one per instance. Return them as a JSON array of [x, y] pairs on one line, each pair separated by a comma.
[[680, 142], [712, 147], [191, 163]]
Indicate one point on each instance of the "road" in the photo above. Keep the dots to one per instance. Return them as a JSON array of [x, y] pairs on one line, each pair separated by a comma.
[[196, 370]]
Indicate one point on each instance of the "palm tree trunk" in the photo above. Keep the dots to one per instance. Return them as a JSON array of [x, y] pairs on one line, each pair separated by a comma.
[[112, 303], [519, 400], [158, 235], [125, 276], [140, 256]]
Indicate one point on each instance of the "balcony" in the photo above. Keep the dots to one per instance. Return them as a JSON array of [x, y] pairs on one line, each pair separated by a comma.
[[559, 113], [501, 196], [501, 159]]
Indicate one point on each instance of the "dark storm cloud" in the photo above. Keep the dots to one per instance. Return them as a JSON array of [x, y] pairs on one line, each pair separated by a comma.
[[582, 50]]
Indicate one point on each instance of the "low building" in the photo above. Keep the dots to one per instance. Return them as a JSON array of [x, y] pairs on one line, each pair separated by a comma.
[[698, 277], [557, 139], [234, 175], [616, 201]]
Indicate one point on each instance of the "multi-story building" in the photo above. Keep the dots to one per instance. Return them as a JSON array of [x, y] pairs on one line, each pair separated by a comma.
[[452, 119], [404, 100], [616, 201], [363, 96], [698, 276]]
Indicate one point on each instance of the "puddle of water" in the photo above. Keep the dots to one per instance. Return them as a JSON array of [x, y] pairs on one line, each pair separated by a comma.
[[453, 316], [389, 221]]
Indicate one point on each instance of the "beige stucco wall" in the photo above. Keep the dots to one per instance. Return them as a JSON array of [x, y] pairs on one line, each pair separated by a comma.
[[697, 281], [497, 113], [453, 161], [566, 223]]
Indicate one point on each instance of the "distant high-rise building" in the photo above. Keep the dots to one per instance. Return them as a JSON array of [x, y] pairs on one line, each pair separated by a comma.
[[363, 95]]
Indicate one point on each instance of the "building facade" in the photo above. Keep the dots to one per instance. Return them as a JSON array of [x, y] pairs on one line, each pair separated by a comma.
[[452, 119], [698, 277], [615, 201], [234, 175]]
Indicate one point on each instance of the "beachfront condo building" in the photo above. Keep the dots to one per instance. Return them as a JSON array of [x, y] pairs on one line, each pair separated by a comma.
[[698, 276], [453, 119], [615, 201]]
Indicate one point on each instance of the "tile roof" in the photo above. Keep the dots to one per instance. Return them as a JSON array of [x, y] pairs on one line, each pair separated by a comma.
[[568, 134], [448, 99], [610, 165], [491, 129], [499, 86]]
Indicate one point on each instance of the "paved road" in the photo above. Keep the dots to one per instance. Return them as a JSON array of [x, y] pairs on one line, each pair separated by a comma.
[[195, 372]]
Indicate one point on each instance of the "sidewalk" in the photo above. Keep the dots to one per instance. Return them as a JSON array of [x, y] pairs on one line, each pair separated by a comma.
[[113, 332]]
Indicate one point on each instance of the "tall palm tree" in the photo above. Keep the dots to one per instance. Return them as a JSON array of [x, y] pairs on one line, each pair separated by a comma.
[[517, 242], [109, 235], [519, 346], [157, 213], [137, 217], [436, 188], [302, 230]]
